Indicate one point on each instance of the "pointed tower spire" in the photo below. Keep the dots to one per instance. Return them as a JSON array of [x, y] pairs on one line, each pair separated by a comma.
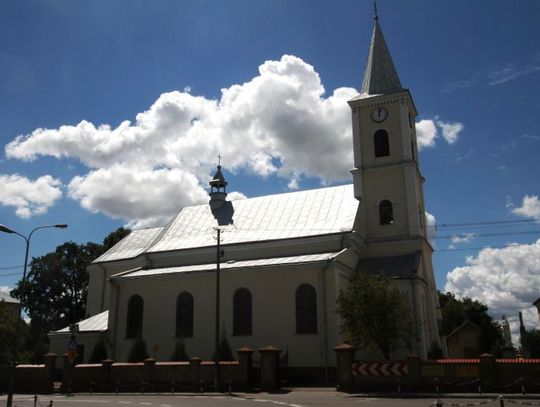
[[380, 76]]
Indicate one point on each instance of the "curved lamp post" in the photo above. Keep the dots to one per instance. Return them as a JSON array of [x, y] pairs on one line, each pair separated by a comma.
[[5, 229]]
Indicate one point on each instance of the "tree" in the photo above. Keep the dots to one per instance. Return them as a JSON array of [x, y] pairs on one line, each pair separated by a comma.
[[8, 333], [376, 314], [54, 293], [456, 311], [55, 290]]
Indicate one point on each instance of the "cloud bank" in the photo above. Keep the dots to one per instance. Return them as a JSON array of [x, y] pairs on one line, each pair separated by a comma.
[[506, 280], [29, 197], [281, 122]]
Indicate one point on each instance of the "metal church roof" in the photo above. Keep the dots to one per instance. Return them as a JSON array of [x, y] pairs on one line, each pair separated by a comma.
[[96, 323], [277, 261], [131, 246], [281, 216]]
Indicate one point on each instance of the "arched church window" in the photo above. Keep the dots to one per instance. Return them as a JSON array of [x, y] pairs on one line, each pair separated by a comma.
[[134, 317], [242, 312], [386, 213], [382, 145], [306, 310], [184, 315]]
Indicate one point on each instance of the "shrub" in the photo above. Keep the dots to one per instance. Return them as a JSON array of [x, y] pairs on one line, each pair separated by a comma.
[[138, 352], [99, 353], [179, 353]]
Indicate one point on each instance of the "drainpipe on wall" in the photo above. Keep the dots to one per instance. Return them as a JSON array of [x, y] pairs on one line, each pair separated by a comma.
[[415, 312], [322, 290], [114, 330], [102, 287]]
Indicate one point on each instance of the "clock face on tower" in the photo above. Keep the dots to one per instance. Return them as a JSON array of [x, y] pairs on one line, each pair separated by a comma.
[[379, 115]]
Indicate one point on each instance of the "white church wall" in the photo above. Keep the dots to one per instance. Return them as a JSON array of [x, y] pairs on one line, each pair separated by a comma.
[[98, 286], [273, 320]]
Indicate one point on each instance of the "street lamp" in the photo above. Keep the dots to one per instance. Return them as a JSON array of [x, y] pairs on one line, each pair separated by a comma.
[[5, 229]]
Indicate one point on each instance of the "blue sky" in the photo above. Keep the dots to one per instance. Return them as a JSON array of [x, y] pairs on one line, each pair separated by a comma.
[[265, 84]]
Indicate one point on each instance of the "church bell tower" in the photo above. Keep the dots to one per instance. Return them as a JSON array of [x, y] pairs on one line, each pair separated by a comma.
[[386, 176]]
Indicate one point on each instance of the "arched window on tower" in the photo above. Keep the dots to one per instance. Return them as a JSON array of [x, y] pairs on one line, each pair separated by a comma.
[[386, 213], [134, 317], [306, 310], [382, 145], [242, 312], [184, 315]]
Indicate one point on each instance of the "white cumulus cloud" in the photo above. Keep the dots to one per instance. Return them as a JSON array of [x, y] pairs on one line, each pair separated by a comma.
[[29, 197], [428, 131], [450, 131], [506, 280], [281, 122], [463, 238], [530, 207]]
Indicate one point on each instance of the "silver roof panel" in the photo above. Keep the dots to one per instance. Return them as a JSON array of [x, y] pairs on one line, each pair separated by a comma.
[[276, 261], [281, 216], [131, 246], [96, 323]]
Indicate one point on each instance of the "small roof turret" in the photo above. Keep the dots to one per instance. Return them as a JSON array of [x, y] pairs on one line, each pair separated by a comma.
[[219, 180], [380, 76], [218, 189]]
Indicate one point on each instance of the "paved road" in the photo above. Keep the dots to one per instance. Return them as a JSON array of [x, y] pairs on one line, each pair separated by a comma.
[[291, 399]]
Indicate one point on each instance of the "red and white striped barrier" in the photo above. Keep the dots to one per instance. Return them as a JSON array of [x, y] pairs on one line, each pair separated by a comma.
[[380, 369]]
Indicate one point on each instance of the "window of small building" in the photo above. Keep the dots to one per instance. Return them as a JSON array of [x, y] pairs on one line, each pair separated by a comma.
[[184, 315], [134, 317], [386, 213], [242, 312], [306, 310], [382, 145]]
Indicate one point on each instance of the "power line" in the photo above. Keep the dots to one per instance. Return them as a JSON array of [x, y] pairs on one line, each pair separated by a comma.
[[474, 235], [492, 222], [11, 274], [11, 267], [458, 249]]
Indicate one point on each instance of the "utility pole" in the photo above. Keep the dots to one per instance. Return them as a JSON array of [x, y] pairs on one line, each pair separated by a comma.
[[216, 339]]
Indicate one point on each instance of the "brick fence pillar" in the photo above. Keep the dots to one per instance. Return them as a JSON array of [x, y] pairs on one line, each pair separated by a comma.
[[148, 372], [245, 359], [50, 367], [488, 369], [414, 375], [106, 373], [345, 359], [195, 372], [269, 368], [67, 374]]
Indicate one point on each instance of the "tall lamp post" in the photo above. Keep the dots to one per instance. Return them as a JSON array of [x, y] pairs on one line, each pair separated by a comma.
[[5, 229]]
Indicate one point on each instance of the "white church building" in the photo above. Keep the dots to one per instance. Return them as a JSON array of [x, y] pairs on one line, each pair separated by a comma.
[[284, 258]]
